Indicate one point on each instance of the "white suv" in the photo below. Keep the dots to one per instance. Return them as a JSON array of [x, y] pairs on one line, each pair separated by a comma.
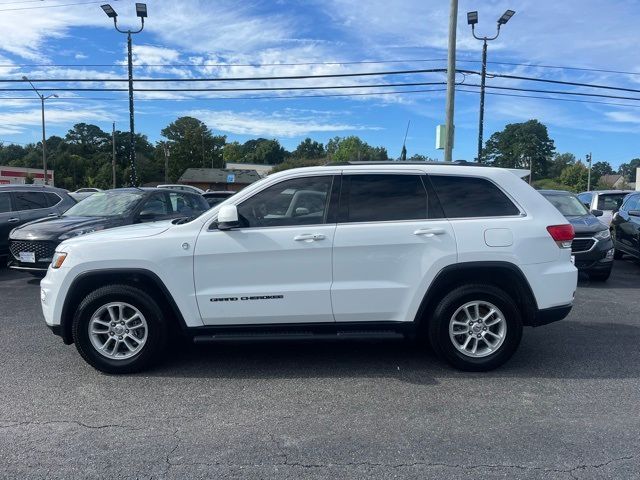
[[461, 255]]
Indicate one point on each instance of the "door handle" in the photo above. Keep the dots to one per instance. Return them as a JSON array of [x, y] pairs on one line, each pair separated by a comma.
[[13, 220], [309, 237], [429, 232], [52, 215]]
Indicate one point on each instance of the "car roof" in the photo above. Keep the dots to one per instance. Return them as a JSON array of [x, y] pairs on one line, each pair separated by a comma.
[[608, 191], [147, 190], [21, 186], [556, 192]]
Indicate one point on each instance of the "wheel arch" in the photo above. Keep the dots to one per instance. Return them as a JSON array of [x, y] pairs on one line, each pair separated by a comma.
[[144, 279], [504, 275]]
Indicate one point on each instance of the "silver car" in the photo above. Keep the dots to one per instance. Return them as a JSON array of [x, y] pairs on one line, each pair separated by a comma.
[[606, 200]]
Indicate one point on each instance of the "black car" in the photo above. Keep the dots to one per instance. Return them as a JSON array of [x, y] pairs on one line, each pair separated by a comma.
[[213, 198], [32, 246], [20, 204], [592, 245], [625, 227]]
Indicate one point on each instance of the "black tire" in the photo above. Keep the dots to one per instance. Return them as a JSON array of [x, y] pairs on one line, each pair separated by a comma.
[[439, 327], [156, 322], [617, 254], [599, 276]]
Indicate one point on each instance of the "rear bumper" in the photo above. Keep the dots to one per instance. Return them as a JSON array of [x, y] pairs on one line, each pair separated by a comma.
[[550, 315]]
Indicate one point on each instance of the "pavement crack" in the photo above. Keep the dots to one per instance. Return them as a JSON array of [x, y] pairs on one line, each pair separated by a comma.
[[68, 422]]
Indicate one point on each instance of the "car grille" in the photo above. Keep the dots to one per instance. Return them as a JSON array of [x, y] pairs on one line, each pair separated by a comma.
[[43, 250], [582, 244]]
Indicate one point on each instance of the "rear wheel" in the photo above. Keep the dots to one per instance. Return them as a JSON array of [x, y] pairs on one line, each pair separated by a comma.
[[119, 329], [476, 328]]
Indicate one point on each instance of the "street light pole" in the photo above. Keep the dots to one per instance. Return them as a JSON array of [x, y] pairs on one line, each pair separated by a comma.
[[472, 19], [44, 135], [141, 12]]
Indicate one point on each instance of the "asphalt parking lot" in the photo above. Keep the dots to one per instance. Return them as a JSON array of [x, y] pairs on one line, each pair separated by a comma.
[[565, 407]]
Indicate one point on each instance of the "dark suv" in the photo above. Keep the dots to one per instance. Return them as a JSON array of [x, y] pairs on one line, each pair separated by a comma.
[[20, 204], [625, 227], [32, 246], [592, 246]]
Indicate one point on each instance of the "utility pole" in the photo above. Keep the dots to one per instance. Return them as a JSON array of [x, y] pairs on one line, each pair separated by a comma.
[[472, 19], [141, 12], [451, 80], [165, 147], [589, 176], [44, 136], [113, 154]]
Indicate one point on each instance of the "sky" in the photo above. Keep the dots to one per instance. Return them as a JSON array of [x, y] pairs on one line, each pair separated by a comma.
[[187, 39]]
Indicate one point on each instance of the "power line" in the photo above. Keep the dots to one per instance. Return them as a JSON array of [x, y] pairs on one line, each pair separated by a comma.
[[552, 98], [556, 82], [226, 79], [51, 6], [556, 67], [228, 89], [261, 97], [337, 62], [555, 92]]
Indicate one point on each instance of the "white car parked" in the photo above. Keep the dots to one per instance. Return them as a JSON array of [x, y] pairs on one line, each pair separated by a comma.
[[462, 255]]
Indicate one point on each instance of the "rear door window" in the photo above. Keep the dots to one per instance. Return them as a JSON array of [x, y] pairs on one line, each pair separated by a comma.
[[52, 199], [5, 202], [30, 200], [471, 197], [384, 198], [610, 201]]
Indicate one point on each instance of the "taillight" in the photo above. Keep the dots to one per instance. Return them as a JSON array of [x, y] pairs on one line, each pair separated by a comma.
[[562, 234]]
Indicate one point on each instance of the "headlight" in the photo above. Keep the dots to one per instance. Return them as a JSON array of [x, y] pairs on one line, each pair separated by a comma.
[[603, 235], [77, 233], [58, 259]]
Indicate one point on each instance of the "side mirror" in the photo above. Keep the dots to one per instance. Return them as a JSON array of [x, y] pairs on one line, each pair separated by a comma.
[[228, 217], [301, 211], [597, 213], [634, 213], [146, 216]]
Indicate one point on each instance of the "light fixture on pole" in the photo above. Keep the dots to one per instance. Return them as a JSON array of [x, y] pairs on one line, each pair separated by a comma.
[[472, 19], [141, 12], [44, 136]]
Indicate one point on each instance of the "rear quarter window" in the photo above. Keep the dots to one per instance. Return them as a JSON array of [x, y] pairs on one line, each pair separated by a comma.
[[469, 197]]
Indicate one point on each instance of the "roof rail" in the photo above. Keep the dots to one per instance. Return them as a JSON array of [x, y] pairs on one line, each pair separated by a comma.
[[464, 163]]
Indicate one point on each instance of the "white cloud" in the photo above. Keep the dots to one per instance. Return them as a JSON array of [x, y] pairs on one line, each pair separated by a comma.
[[13, 122], [286, 123], [80, 56]]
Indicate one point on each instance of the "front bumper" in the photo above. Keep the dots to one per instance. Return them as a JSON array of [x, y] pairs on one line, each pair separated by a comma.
[[41, 252], [598, 258]]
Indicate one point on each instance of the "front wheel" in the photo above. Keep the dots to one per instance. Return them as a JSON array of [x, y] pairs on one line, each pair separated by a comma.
[[119, 329], [476, 328]]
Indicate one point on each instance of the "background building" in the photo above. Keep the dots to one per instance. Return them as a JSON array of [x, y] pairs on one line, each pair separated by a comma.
[[21, 175], [218, 178]]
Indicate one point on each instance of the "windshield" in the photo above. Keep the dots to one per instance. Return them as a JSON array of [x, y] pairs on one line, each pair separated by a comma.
[[568, 205], [103, 204], [610, 201]]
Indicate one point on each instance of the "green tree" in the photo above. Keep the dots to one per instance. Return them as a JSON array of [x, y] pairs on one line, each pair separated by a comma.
[[628, 170], [575, 176], [191, 144], [418, 157], [352, 148], [298, 163], [521, 145], [309, 149], [559, 162]]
